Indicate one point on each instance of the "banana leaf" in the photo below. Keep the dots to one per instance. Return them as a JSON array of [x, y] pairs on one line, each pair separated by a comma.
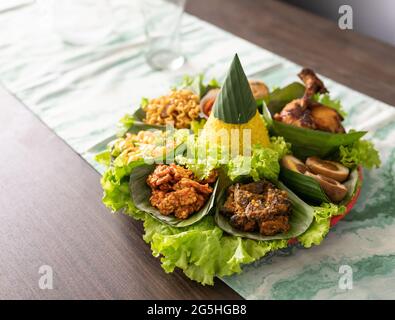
[[281, 96], [304, 186], [352, 184], [300, 219], [307, 142], [310, 190], [141, 192]]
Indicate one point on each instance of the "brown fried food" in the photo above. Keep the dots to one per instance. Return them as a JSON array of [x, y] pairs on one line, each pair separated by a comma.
[[258, 206], [188, 183], [312, 83], [272, 227], [326, 119], [295, 114], [306, 113], [243, 223], [175, 192]]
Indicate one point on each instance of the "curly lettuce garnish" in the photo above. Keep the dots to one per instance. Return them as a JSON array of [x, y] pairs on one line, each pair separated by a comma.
[[361, 152], [326, 100], [321, 224]]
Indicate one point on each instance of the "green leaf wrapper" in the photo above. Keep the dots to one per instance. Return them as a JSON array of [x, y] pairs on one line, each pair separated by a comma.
[[304, 186], [307, 142], [281, 96], [235, 102], [141, 192], [310, 190]]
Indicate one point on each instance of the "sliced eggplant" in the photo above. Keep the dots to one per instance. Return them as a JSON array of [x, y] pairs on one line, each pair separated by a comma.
[[259, 89], [333, 188], [294, 164], [327, 168], [207, 102]]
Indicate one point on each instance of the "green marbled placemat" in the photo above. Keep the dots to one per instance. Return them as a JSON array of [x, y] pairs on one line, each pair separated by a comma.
[[81, 92]]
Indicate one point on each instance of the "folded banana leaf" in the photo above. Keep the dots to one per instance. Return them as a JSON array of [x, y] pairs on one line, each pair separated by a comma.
[[352, 184], [307, 142], [278, 98], [310, 190], [141, 192], [304, 186], [300, 219]]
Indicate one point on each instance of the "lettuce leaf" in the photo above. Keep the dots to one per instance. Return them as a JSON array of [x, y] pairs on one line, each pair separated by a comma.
[[104, 158], [115, 184], [202, 250], [124, 124], [321, 224], [197, 85], [361, 152], [279, 145], [197, 125], [264, 163], [326, 100]]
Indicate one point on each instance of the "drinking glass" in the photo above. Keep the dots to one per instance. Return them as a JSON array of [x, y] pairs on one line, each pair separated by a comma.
[[162, 19], [82, 22]]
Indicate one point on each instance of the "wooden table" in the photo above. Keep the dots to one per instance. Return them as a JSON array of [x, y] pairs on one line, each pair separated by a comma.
[[50, 198]]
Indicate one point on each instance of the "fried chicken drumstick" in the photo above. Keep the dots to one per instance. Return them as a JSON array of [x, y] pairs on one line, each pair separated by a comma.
[[306, 113]]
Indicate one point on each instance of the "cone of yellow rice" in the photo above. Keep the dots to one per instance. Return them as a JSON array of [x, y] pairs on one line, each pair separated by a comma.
[[235, 121]]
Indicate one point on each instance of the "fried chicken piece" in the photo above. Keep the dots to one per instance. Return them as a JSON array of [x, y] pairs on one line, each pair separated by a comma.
[[312, 83], [295, 114], [305, 113], [326, 119]]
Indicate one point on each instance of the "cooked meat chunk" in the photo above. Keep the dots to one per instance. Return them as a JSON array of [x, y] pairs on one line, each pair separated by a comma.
[[272, 227], [175, 192], [306, 113], [243, 223], [255, 187], [257, 206]]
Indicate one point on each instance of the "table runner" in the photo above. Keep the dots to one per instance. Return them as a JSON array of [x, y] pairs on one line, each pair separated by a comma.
[[80, 92]]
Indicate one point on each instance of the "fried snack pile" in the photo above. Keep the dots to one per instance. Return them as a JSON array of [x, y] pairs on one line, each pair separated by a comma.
[[306, 113], [143, 144], [258, 206], [174, 190], [179, 108]]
